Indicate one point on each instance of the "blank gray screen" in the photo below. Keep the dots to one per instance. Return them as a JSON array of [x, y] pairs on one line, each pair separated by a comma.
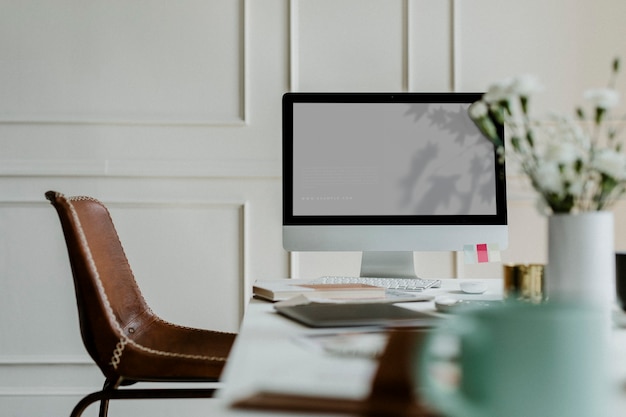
[[390, 159]]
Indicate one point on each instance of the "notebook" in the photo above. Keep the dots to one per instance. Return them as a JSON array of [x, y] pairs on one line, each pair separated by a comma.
[[286, 288], [361, 314]]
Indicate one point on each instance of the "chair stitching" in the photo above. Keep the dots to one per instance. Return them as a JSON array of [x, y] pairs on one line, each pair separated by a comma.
[[124, 340]]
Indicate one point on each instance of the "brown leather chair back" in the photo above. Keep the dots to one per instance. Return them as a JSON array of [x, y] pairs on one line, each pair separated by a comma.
[[127, 341], [110, 304]]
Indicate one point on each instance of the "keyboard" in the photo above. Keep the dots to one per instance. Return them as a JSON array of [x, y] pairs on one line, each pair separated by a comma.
[[401, 284]]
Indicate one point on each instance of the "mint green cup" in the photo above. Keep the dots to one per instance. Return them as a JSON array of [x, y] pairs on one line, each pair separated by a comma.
[[518, 360]]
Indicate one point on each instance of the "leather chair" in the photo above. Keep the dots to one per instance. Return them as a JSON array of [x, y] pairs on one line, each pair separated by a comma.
[[127, 341]]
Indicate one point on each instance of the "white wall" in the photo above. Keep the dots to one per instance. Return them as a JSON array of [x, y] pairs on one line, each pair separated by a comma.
[[169, 112]]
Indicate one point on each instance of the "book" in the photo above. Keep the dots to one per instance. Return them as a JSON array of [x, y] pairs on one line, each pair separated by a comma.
[[276, 290]]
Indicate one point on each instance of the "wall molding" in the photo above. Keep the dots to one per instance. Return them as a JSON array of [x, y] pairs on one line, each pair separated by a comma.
[[211, 168], [294, 53], [241, 121], [45, 391], [45, 360], [406, 46], [239, 283], [454, 45], [294, 56]]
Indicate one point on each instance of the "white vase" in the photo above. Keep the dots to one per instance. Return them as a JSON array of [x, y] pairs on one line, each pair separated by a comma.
[[581, 258]]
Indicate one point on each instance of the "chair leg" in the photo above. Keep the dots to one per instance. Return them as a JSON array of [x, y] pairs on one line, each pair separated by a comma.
[[86, 402], [109, 387], [110, 393], [104, 407]]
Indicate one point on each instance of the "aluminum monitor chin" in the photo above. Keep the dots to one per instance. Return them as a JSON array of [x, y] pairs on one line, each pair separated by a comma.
[[388, 172]]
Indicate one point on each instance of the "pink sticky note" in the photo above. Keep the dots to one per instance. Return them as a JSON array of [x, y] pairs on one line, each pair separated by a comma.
[[482, 252]]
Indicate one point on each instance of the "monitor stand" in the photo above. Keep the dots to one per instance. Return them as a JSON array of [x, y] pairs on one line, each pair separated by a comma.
[[388, 265]]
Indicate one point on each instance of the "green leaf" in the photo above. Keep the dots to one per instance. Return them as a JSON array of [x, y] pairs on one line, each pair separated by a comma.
[[578, 166], [580, 113], [515, 142], [530, 139], [599, 114], [524, 103], [486, 126], [558, 203]]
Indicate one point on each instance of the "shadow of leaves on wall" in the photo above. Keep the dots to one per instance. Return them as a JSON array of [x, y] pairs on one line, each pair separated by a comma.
[[431, 185]]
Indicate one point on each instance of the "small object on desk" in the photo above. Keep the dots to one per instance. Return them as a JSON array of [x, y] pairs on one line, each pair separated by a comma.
[[473, 287], [524, 282], [286, 288], [447, 304], [360, 314]]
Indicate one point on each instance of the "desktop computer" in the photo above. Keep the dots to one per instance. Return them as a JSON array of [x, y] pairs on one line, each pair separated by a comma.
[[389, 174]]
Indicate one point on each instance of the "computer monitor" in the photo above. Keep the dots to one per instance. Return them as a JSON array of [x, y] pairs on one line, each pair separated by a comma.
[[389, 174]]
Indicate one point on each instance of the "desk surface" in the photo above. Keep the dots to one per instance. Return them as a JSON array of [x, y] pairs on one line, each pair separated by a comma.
[[270, 354]]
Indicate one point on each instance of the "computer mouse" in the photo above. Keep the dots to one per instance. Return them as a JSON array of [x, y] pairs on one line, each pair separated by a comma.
[[447, 304], [473, 287]]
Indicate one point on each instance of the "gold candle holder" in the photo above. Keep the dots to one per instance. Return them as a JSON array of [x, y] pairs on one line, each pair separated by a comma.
[[524, 282]]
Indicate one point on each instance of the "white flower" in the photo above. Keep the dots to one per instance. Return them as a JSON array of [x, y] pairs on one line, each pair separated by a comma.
[[602, 98], [478, 110], [525, 85], [548, 177], [567, 129], [499, 92], [576, 186], [610, 163], [562, 156], [562, 152]]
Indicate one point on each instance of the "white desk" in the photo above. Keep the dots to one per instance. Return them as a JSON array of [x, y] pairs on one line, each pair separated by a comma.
[[268, 356]]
